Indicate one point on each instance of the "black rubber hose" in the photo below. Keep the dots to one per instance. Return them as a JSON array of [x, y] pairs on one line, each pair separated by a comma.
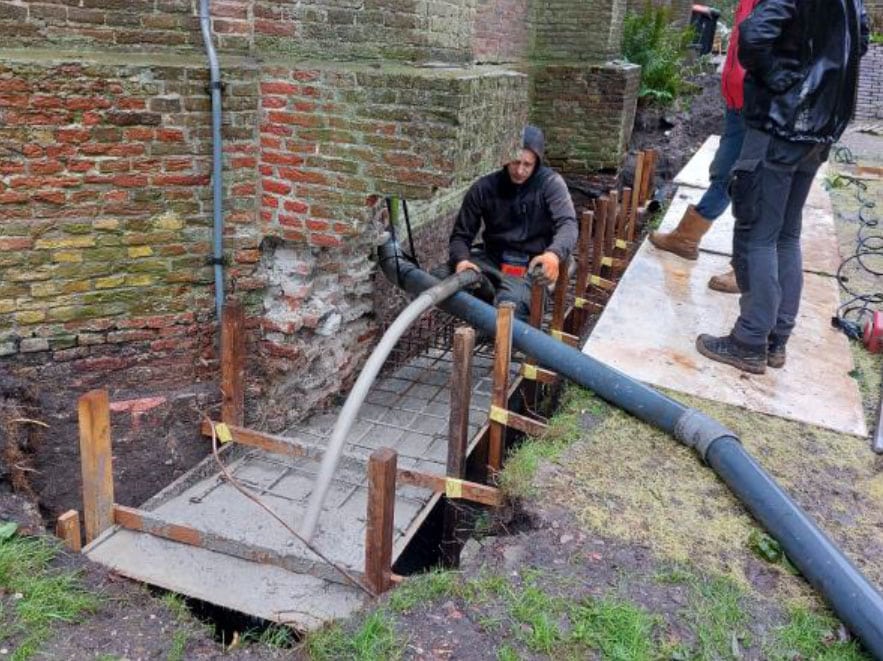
[[855, 601]]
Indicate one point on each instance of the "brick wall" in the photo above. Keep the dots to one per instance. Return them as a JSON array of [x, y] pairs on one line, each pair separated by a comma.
[[875, 12], [566, 30], [392, 29], [870, 91], [680, 9], [501, 30]]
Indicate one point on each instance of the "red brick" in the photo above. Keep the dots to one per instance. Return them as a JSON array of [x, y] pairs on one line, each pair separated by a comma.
[[243, 163], [306, 76], [270, 143], [243, 190], [278, 187], [274, 28], [14, 85], [170, 135], [274, 102], [278, 87], [296, 206], [45, 167], [86, 103], [290, 221], [281, 158], [138, 133], [297, 119], [51, 197], [12, 167], [16, 243], [177, 164], [276, 129], [130, 180], [130, 149], [13, 197], [46, 102], [325, 240], [269, 201], [80, 165], [131, 103], [303, 176], [13, 100]]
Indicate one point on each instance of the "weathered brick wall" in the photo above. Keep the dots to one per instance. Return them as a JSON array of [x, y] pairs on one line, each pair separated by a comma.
[[875, 12], [567, 30], [588, 113], [680, 9], [501, 30], [392, 29], [870, 91]]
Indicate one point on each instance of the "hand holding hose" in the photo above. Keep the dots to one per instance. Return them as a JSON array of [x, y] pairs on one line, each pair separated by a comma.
[[464, 264], [549, 263]]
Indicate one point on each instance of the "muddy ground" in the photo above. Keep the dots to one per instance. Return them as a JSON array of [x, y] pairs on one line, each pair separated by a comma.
[[136, 623]]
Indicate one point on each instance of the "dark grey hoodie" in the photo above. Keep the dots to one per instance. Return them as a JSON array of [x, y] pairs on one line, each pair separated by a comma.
[[530, 218]]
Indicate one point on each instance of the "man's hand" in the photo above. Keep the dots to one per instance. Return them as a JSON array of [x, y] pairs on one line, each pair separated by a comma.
[[550, 263], [464, 264]]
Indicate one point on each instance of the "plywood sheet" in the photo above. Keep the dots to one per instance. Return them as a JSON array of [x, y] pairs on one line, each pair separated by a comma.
[[818, 240], [695, 174], [814, 387]]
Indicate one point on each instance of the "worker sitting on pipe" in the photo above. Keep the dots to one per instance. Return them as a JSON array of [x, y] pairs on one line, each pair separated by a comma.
[[528, 221]]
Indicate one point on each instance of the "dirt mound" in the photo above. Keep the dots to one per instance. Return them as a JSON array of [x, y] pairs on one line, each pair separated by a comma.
[[20, 432]]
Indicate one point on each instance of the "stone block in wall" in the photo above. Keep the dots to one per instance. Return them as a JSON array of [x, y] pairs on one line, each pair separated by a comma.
[[587, 112]]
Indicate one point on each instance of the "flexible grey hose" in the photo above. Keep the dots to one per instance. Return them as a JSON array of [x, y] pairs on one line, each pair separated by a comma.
[[429, 298]]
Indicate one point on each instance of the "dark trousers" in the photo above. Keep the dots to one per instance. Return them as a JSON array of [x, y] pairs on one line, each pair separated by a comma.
[[769, 186], [502, 288]]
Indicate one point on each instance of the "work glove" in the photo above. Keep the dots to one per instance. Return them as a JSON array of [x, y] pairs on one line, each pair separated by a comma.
[[549, 262]]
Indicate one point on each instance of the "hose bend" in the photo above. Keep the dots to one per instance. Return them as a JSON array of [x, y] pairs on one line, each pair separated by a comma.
[[429, 298]]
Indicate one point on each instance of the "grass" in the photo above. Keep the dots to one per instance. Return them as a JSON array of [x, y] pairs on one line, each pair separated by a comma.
[[620, 630], [179, 646], [422, 589], [374, 639], [810, 635], [38, 595]]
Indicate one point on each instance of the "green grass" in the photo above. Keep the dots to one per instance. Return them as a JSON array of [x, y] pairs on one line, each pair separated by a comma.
[[810, 635], [565, 428], [177, 605], [619, 629], [375, 639], [47, 596], [179, 646], [422, 589]]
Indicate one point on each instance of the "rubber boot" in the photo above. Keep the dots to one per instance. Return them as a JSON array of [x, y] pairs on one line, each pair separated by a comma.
[[725, 282], [684, 239]]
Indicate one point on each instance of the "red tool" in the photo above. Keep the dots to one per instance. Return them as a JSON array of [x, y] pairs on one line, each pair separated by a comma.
[[873, 333]]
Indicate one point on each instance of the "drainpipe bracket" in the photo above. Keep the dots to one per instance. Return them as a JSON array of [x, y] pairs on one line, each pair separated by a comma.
[[698, 431]]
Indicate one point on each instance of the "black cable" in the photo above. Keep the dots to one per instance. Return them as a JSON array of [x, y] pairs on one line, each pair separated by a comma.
[[410, 233], [851, 313]]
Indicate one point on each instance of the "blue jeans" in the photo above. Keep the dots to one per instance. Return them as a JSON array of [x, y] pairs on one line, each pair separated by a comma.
[[715, 200], [770, 184]]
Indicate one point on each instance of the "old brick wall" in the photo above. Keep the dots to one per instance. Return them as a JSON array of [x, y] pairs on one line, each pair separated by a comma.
[[680, 9], [875, 12], [501, 32], [870, 91]]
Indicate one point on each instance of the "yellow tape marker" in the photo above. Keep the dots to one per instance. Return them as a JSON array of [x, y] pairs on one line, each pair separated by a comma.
[[453, 487], [499, 415], [223, 432], [622, 245], [529, 372], [606, 261], [580, 302]]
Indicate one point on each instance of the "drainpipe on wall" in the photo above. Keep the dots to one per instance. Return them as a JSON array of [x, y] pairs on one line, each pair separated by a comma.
[[218, 220]]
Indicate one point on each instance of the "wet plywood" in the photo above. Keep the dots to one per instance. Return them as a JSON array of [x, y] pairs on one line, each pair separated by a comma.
[[820, 251], [814, 387]]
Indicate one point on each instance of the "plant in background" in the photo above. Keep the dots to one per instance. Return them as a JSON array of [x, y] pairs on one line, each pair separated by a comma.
[[650, 40]]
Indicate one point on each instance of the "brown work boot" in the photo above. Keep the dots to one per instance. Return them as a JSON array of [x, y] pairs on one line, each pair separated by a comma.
[[729, 350], [725, 282], [684, 239]]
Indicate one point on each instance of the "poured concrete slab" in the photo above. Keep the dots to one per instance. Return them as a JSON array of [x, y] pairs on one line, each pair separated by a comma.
[[407, 411], [658, 347], [818, 241]]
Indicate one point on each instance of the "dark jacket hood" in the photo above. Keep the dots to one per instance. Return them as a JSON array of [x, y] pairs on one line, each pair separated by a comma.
[[533, 139]]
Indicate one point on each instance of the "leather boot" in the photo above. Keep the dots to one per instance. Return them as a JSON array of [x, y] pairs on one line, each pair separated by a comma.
[[684, 239], [729, 350], [725, 282]]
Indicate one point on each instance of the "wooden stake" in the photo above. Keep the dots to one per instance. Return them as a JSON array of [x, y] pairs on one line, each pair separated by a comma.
[[68, 529], [627, 226], [636, 185], [582, 271], [500, 388], [647, 175], [233, 363], [93, 409], [381, 519], [600, 228], [610, 228], [560, 300], [458, 436]]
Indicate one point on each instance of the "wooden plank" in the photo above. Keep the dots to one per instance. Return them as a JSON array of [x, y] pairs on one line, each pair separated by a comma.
[[648, 176], [67, 528], [598, 242], [303, 562], [452, 487], [517, 421], [380, 519], [567, 338], [533, 373], [560, 299], [458, 436], [269, 442], [628, 222], [500, 386], [636, 185], [582, 272], [93, 410], [233, 363]]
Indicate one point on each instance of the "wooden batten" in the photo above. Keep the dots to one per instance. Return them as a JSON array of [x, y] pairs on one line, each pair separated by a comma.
[[233, 363], [93, 410], [380, 519]]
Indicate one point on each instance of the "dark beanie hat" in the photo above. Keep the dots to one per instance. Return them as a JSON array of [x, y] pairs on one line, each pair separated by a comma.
[[533, 139]]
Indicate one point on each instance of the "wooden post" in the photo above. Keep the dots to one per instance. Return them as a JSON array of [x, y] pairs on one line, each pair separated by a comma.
[[628, 224], [560, 299], [647, 175], [233, 363], [500, 387], [93, 409], [381, 518], [68, 529], [636, 185], [458, 436], [600, 227], [582, 271], [537, 308]]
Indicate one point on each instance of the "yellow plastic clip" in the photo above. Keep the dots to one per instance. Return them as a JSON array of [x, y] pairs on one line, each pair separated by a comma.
[[621, 244], [606, 261], [529, 372], [500, 415], [223, 432], [580, 302], [453, 487]]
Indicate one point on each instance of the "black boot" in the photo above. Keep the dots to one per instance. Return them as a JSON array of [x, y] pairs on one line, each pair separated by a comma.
[[775, 351], [729, 350]]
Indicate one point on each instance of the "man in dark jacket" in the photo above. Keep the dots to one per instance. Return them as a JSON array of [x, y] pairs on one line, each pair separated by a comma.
[[528, 221], [802, 61]]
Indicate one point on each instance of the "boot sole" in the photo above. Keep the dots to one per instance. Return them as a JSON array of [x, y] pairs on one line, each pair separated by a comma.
[[775, 363], [721, 288], [729, 360]]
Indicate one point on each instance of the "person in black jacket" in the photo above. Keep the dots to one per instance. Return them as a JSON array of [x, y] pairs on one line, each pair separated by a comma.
[[802, 62], [527, 220]]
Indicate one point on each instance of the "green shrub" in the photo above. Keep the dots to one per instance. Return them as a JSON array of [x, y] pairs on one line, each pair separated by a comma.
[[650, 40]]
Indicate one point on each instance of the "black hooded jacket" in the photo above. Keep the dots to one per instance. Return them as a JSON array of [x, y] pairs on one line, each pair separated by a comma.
[[531, 218], [801, 59]]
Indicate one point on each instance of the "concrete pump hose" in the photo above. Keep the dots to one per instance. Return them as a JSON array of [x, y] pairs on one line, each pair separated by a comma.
[[354, 400]]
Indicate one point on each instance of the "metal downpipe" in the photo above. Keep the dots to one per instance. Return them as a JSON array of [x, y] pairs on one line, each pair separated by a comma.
[[217, 198], [855, 601]]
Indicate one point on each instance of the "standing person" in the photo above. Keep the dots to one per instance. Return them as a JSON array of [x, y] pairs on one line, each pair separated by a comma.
[[527, 219], [802, 62], [685, 238]]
